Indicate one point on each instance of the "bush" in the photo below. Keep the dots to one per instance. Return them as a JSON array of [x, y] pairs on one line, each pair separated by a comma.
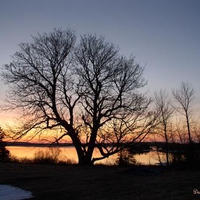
[[125, 158], [48, 156], [4, 153]]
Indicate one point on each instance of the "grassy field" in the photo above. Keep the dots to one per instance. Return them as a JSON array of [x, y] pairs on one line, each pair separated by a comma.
[[48, 182]]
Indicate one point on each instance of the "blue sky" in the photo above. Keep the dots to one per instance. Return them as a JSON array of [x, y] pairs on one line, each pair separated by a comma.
[[163, 35]]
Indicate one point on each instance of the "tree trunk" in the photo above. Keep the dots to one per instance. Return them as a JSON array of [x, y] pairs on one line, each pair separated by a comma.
[[85, 160], [188, 128], [167, 146], [83, 157], [167, 152]]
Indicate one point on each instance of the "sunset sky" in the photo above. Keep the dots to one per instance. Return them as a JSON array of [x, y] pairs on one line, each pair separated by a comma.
[[163, 35]]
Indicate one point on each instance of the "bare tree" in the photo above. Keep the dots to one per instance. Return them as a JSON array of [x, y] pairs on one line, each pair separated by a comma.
[[166, 111], [88, 92], [184, 97]]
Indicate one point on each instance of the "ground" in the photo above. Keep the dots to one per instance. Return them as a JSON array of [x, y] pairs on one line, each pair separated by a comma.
[[51, 182]]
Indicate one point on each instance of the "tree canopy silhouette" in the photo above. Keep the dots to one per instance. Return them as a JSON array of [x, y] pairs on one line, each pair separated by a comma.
[[86, 90]]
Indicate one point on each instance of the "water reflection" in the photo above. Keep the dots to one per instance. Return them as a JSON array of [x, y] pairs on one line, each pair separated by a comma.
[[69, 153]]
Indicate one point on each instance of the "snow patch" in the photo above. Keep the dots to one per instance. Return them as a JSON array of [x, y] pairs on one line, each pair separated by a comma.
[[8, 192]]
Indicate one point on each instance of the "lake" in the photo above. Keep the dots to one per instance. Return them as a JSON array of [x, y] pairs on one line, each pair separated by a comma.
[[70, 153]]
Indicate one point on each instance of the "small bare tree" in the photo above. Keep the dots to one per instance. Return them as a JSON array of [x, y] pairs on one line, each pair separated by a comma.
[[163, 107], [184, 97], [87, 91]]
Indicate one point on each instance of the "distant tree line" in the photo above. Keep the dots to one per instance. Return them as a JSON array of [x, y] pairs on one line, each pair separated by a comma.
[[178, 126]]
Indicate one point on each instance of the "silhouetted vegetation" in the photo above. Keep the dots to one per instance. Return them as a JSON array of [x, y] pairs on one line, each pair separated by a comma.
[[90, 94], [126, 158], [87, 92], [50, 156], [165, 110], [143, 147], [178, 127], [178, 154], [4, 153]]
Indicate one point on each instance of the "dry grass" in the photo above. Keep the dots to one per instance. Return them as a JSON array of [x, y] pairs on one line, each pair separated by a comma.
[[48, 182]]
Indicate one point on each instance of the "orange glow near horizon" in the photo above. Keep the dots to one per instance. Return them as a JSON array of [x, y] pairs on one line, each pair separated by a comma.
[[10, 120], [46, 137]]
